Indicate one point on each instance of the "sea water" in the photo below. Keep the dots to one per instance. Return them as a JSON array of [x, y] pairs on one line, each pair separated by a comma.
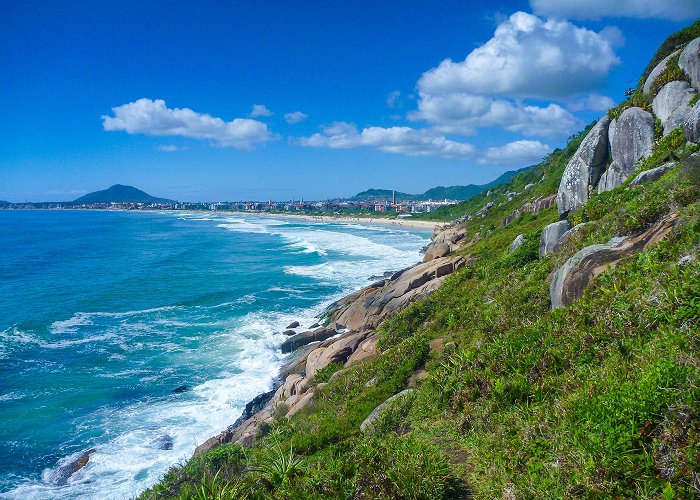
[[104, 314]]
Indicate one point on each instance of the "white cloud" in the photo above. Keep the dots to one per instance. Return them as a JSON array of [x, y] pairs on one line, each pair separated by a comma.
[[518, 153], [169, 148], [528, 58], [397, 140], [149, 117], [674, 10], [260, 110], [393, 100], [460, 113], [295, 117], [594, 102]]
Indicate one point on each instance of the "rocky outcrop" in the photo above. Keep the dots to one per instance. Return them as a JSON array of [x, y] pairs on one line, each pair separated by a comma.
[[370, 306], [612, 178], [367, 349], [571, 279], [534, 206], [689, 61], [565, 237], [652, 174], [301, 339], [671, 104], [338, 351], [691, 125], [631, 139], [551, 235], [658, 69], [517, 243], [368, 423], [293, 325], [437, 251], [60, 475], [583, 171]]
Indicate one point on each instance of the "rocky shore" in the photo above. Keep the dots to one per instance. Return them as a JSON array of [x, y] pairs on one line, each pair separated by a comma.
[[349, 335]]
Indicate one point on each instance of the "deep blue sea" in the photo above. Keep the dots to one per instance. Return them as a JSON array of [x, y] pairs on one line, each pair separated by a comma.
[[103, 314]]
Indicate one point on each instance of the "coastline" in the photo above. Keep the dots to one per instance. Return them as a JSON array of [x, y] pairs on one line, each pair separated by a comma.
[[382, 221]]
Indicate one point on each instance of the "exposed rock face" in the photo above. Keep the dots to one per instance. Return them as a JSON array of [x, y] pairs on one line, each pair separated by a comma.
[[565, 237], [301, 339], [652, 174], [584, 169], [339, 350], [573, 277], [534, 206], [551, 235], [366, 349], [658, 69], [611, 179], [372, 418], [293, 325], [368, 307], [689, 61], [671, 104], [632, 138], [691, 125], [61, 474], [437, 251], [517, 243]]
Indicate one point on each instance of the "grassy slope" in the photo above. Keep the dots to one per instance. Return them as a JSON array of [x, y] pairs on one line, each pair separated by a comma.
[[598, 399]]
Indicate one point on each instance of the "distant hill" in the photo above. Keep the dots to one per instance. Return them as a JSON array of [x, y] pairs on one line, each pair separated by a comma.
[[440, 192], [120, 194], [4, 202]]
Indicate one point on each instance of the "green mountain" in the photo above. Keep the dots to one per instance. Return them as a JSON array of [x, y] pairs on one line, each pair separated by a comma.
[[120, 194], [461, 193], [4, 202]]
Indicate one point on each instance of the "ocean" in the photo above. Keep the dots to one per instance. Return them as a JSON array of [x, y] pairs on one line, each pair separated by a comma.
[[104, 314]]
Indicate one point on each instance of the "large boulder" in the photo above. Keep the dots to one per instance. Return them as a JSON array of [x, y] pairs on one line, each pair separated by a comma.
[[339, 351], [571, 279], [658, 69], [301, 339], [551, 235], [437, 251], [584, 169], [652, 174], [631, 138], [671, 104], [691, 125], [611, 179], [689, 61], [517, 243]]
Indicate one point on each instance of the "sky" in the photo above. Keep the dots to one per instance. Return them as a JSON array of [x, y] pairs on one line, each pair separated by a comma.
[[202, 101]]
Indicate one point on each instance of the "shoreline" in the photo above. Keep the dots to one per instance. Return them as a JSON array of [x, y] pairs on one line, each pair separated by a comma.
[[382, 221]]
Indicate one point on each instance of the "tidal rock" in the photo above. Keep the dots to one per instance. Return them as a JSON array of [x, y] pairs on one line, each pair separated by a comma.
[[632, 139], [571, 279], [315, 325], [584, 169], [691, 125], [164, 442], [652, 174], [517, 243], [368, 423], [611, 179], [289, 332], [68, 467], [551, 235], [301, 339], [689, 61], [181, 389], [658, 69], [671, 104], [293, 325]]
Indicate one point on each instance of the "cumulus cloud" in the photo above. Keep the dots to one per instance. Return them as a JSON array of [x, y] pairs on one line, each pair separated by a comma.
[[594, 102], [295, 117], [260, 110], [517, 153], [460, 113], [397, 140], [528, 58], [674, 10], [153, 117]]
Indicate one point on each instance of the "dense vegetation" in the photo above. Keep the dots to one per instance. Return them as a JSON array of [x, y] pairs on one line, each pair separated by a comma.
[[599, 399]]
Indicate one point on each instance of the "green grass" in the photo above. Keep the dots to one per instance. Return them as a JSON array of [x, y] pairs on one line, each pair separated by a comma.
[[597, 400]]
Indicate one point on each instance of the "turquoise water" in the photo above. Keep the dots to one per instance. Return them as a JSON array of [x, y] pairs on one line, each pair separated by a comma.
[[103, 314]]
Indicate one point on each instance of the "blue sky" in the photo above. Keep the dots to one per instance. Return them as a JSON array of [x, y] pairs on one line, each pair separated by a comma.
[[257, 100]]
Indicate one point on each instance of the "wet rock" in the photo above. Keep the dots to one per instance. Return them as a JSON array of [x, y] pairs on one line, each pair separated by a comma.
[[551, 235], [292, 325], [571, 279], [658, 69], [60, 475], [164, 442], [652, 174], [583, 171], [671, 104], [289, 332], [181, 389], [689, 61], [301, 339], [315, 325]]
